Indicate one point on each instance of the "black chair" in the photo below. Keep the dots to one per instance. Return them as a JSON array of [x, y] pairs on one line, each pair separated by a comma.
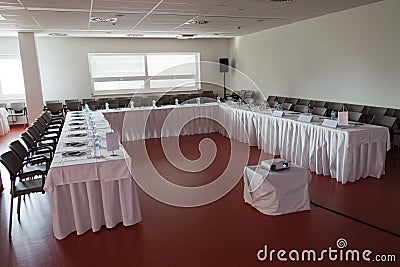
[[30, 162], [300, 108], [319, 111], [370, 112], [17, 110], [73, 106], [28, 182], [355, 108], [305, 102], [271, 98], [292, 100], [113, 103], [354, 116], [318, 104], [36, 149], [280, 99], [123, 101], [286, 106], [56, 109], [385, 121]]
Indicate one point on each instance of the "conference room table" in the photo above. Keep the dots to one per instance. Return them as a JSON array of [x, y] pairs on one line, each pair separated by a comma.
[[4, 127], [346, 153], [88, 192]]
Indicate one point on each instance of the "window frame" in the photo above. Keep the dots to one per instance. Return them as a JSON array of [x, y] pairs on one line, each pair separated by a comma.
[[146, 78]]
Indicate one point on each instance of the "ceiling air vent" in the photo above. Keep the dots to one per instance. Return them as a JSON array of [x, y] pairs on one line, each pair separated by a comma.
[[101, 20], [196, 22]]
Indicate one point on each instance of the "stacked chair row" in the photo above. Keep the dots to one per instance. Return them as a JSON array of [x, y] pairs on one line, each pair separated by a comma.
[[29, 158], [57, 107]]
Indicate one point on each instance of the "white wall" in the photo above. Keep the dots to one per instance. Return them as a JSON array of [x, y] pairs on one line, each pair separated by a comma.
[[350, 56], [64, 61]]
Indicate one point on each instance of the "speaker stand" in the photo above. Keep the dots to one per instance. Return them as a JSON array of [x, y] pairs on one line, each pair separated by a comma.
[[225, 96]]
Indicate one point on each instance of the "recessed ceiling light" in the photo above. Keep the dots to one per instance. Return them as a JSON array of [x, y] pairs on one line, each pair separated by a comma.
[[99, 19], [12, 25], [196, 22], [134, 35], [260, 20], [119, 15], [2, 18], [58, 34]]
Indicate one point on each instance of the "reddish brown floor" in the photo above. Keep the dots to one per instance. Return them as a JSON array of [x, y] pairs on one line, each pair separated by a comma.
[[227, 232]]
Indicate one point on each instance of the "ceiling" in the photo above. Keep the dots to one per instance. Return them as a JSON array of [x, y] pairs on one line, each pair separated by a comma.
[[160, 18]]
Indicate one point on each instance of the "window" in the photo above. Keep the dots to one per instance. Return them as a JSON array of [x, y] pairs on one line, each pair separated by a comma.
[[11, 77], [144, 73]]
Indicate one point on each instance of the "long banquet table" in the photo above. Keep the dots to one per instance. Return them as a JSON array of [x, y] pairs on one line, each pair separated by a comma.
[[347, 153], [89, 192]]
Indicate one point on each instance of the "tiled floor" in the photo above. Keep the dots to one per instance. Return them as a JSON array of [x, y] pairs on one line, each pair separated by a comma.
[[227, 232]]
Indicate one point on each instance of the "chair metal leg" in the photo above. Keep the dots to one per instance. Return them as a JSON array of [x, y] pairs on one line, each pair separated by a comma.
[[11, 214], [19, 209]]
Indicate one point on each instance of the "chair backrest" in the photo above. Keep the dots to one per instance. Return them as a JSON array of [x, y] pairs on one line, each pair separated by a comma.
[[34, 133], [354, 116], [300, 108], [286, 106], [272, 104], [319, 111], [333, 106], [55, 108], [291, 100], [71, 100], [19, 149], [28, 139], [12, 163], [280, 99], [304, 102], [93, 104], [74, 105], [124, 102], [271, 98], [18, 107], [319, 104], [356, 108], [376, 111], [52, 101], [113, 103], [3, 105], [385, 121]]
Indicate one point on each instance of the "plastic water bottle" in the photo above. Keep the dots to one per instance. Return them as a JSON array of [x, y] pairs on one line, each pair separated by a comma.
[[97, 151], [153, 103], [131, 104], [218, 100], [198, 101], [107, 106], [333, 115], [240, 101], [176, 102]]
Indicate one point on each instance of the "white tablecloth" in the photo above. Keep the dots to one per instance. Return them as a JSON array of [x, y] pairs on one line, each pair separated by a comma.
[[277, 193], [346, 153], [90, 192], [4, 127]]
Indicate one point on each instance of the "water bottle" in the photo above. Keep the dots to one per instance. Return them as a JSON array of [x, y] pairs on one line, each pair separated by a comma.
[[333, 115], [240, 101], [218, 100], [153, 103], [107, 106], [176, 102], [97, 151], [131, 104], [198, 101]]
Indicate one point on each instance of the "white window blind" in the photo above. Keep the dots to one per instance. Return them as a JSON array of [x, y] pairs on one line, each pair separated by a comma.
[[144, 73], [11, 77]]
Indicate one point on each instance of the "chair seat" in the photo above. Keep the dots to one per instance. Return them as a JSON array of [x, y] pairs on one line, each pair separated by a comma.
[[31, 168], [28, 186]]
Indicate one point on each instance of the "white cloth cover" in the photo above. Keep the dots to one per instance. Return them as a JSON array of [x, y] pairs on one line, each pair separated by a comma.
[[4, 127], [277, 193], [90, 192], [347, 153]]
